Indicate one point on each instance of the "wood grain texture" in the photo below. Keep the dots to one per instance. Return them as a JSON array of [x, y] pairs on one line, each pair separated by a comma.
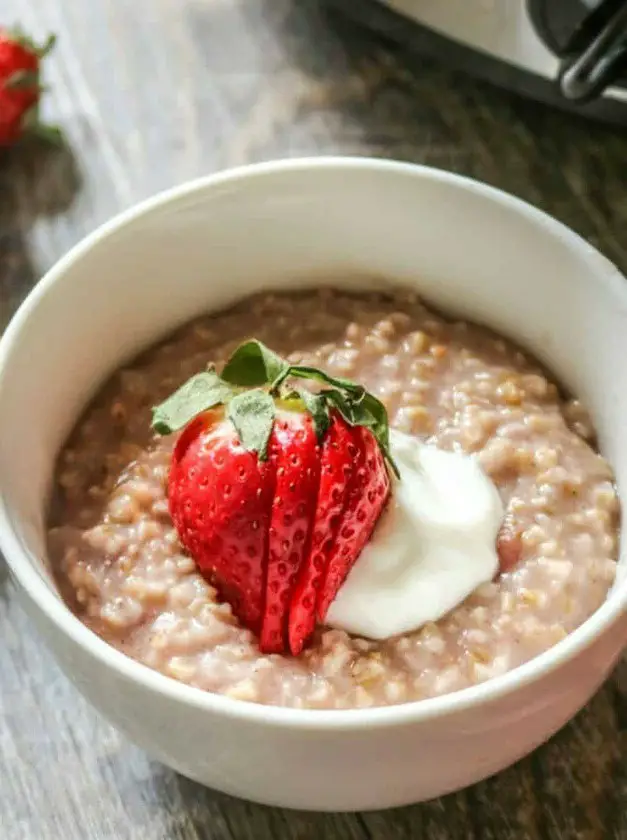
[[149, 93]]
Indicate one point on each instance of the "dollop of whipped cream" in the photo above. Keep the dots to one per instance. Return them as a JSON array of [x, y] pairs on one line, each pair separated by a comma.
[[434, 544]]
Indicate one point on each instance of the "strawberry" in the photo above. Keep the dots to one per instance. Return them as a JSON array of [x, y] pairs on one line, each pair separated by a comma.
[[295, 453], [336, 470], [220, 500], [274, 491], [20, 88], [366, 496]]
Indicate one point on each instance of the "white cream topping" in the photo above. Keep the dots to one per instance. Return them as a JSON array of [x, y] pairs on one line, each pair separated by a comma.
[[433, 546]]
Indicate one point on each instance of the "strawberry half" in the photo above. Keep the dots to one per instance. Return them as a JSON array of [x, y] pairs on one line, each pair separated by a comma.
[[274, 491]]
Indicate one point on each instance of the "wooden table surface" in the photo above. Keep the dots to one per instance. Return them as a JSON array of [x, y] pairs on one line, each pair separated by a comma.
[[150, 93]]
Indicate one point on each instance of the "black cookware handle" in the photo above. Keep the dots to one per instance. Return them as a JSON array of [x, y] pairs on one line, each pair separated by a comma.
[[586, 75]]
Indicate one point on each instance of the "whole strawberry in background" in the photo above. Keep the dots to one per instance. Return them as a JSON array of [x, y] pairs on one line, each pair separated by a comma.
[[20, 86], [275, 489]]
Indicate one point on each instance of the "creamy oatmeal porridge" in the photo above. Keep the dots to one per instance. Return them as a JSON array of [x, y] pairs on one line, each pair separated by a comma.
[[121, 568]]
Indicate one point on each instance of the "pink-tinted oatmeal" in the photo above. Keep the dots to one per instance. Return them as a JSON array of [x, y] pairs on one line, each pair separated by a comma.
[[121, 569]]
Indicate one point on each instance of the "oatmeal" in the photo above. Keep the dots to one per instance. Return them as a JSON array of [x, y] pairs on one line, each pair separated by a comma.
[[121, 567]]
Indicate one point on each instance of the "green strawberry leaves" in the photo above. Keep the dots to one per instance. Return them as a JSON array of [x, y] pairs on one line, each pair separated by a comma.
[[253, 364], [19, 36], [200, 393], [356, 405], [42, 50], [23, 80], [318, 406], [252, 412]]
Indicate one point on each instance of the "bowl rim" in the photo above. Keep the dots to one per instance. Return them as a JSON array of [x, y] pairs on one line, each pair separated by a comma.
[[22, 565]]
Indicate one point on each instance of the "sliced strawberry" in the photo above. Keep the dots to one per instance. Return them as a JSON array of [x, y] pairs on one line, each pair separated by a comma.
[[296, 454], [367, 495], [220, 498], [275, 491], [335, 471]]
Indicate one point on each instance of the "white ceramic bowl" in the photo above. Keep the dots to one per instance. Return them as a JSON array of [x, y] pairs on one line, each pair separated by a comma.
[[472, 251]]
